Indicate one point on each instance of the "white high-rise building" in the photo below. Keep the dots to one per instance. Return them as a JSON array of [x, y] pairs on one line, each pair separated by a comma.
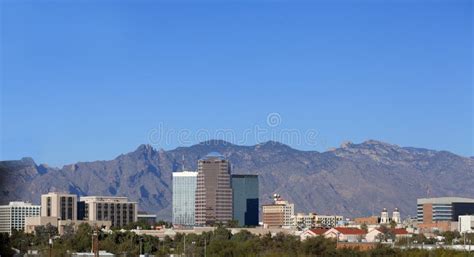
[[184, 193], [12, 216]]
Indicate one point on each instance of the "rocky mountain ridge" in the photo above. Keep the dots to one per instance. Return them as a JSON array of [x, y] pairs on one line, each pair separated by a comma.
[[352, 180]]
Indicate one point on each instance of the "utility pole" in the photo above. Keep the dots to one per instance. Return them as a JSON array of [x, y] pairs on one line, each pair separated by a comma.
[[141, 242], [184, 251], [50, 246], [205, 245], [95, 241]]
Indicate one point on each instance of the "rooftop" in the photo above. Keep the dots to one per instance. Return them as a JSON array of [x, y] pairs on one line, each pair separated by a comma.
[[319, 231], [445, 200], [350, 231], [185, 174], [213, 155]]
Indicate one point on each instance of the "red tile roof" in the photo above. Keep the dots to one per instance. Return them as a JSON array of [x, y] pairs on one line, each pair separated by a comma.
[[319, 231], [400, 231], [350, 231], [396, 231]]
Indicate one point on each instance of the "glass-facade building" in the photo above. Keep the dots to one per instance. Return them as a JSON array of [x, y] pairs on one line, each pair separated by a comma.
[[432, 210], [184, 192], [245, 203]]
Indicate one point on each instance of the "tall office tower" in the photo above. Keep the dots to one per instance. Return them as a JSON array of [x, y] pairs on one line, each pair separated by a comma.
[[184, 193], [245, 199], [213, 192], [119, 210], [12, 216], [60, 205]]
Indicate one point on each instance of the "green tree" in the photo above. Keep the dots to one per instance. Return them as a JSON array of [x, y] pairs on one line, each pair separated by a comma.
[[393, 224], [83, 238], [44, 233], [5, 245], [449, 236], [318, 246]]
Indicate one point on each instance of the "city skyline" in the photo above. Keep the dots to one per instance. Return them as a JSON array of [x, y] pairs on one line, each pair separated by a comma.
[[76, 90]]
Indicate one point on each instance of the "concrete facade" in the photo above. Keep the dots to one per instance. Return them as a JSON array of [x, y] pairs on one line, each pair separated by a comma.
[[466, 224], [279, 214], [60, 205], [13, 215], [118, 210]]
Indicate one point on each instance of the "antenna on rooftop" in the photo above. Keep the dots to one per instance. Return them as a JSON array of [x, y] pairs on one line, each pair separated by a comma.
[[182, 162]]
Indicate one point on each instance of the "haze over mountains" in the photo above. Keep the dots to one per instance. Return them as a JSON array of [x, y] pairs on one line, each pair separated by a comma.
[[353, 180]]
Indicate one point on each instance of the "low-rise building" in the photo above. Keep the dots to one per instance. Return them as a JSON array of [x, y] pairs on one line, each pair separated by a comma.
[[466, 224], [149, 219], [346, 234], [13, 215], [374, 234], [303, 220], [32, 222], [313, 233], [328, 221], [313, 220], [372, 220]]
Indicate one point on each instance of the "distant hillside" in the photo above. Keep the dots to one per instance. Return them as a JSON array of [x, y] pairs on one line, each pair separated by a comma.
[[353, 180]]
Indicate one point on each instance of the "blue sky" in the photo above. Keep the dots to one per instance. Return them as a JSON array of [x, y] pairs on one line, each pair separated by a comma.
[[91, 80]]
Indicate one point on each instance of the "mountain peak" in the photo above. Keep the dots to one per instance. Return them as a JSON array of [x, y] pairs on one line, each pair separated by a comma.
[[216, 142], [145, 148], [376, 142]]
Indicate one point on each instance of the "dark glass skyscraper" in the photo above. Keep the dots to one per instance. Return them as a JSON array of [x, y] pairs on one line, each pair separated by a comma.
[[245, 199]]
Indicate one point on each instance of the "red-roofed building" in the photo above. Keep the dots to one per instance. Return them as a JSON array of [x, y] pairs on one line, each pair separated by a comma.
[[375, 233], [313, 232], [346, 234]]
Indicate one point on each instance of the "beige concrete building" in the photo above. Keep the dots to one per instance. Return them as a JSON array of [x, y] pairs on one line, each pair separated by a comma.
[[118, 210], [313, 220], [304, 220], [279, 214], [213, 191], [371, 220], [328, 221], [60, 205], [32, 222]]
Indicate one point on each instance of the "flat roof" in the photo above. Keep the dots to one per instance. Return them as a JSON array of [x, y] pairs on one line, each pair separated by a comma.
[[185, 174], [444, 200], [243, 175]]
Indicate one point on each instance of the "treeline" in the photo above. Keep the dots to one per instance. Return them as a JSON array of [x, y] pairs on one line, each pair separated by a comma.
[[219, 243]]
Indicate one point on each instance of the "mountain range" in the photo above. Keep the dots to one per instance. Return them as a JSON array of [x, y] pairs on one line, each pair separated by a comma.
[[352, 180]]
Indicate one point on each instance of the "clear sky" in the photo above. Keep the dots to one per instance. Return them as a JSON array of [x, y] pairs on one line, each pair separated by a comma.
[[93, 79]]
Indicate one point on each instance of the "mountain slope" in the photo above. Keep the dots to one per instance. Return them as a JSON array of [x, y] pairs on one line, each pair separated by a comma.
[[353, 180]]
